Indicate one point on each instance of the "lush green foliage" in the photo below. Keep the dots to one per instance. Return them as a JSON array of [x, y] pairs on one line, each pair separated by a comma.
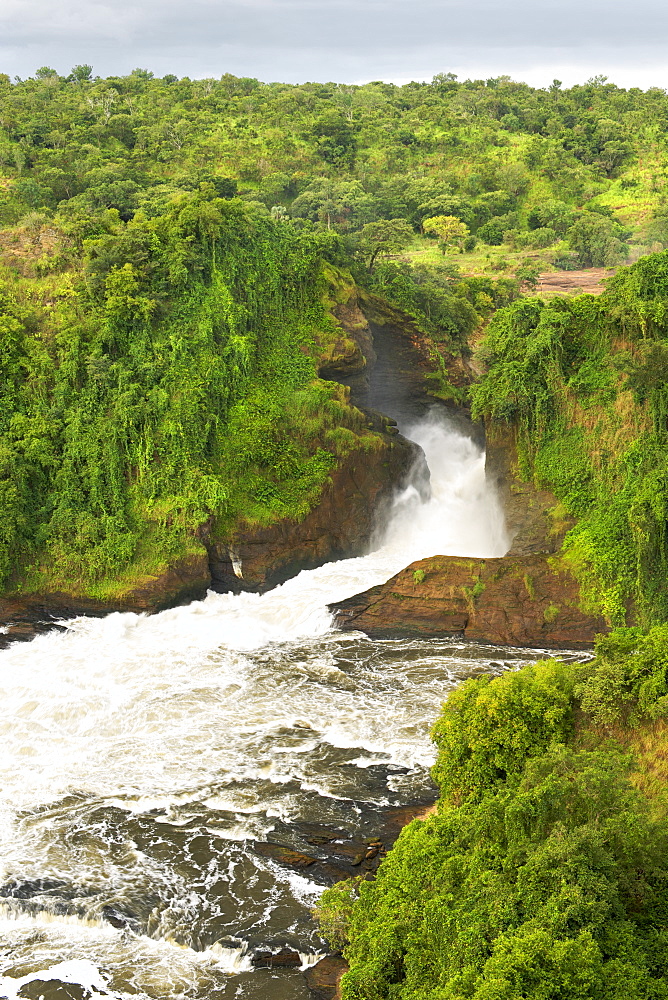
[[444, 304], [542, 875], [629, 678], [489, 727], [162, 239], [513, 163], [583, 383], [168, 382], [552, 888]]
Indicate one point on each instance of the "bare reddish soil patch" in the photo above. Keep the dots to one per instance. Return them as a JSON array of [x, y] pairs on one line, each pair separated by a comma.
[[589, 280]]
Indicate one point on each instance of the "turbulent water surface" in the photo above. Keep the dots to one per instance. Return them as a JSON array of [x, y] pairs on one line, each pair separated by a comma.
[[142, 756]]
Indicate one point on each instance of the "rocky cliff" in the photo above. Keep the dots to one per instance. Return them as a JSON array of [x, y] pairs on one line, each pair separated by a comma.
[[24, 615], [534, 519], [434, 363], [515, 600]]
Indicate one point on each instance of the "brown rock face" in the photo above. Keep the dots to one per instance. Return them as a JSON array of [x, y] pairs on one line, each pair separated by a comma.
[[25, 615], [256, 558], [283, 959], [323, 979], [515, 600]]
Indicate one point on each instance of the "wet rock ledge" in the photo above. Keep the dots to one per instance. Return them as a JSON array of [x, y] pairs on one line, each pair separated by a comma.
[[526, 598], [514, 601]]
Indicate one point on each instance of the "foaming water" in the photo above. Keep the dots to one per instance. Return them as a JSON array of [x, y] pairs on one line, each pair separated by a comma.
[[141, 757], [462, 518]]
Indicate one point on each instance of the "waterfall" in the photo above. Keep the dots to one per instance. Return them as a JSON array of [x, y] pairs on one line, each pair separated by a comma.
[[141, 754]]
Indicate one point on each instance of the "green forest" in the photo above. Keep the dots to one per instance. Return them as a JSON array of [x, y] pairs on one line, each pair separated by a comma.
[[170, 249], [171, 255]]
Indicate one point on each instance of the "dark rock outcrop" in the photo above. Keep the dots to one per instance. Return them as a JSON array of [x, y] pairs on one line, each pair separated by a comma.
[[285, 958], [428, 357], [53, 989], [350, 348], [340, 526], [529, 600], [334, 855]]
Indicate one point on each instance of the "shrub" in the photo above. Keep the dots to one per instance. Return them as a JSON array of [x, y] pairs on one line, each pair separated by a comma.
[[598, 240], [628, 676], [490, 726], [493, 232]]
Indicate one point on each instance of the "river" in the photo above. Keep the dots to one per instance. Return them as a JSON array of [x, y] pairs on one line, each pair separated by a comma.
[[143, 756]]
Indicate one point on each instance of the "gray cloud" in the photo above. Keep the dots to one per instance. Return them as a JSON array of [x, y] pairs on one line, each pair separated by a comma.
[[336, 39]]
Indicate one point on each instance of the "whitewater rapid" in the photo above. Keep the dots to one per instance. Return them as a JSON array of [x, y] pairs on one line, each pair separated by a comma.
[[140, 754]]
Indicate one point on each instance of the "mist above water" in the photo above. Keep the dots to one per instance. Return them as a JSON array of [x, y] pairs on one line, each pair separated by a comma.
[[141, 755]]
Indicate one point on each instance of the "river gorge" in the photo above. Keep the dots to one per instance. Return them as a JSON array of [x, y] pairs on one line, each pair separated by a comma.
[[147, 759], [179, 788], [333, 538]]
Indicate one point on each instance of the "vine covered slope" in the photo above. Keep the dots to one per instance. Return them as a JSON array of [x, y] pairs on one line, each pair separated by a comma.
[[166, 383], [583, 385]]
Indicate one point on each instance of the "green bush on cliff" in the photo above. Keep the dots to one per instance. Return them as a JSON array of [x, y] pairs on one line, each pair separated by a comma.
[[168, 381], [543, 873], [489, 726], [446, 305], [582, 383], [554, 888], [628, 678]]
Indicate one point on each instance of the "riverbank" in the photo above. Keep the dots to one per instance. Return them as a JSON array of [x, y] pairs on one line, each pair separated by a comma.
[[254, 557], [548, 844]]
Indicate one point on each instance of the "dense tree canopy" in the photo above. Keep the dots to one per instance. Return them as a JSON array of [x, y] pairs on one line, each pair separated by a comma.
[[543, 872], [495, 154]]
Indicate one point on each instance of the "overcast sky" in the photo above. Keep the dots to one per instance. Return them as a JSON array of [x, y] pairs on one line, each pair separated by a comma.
[[343, 40]]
